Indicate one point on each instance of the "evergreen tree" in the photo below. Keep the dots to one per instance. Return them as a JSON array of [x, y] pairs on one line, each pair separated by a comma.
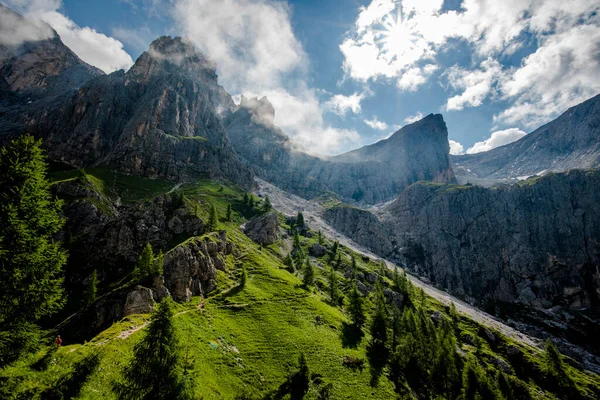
[[31, 262], [267, 206], [296, 240], [334, 293], [300, 220], [213, 218], [145, 265], [159, 264], [396, 326], [354, 268], [251, 201], [246, 199], [289, 263], [356, 307], [92, 289], [382, 269], [320, 238], [379, 321], [155, 373], [308, 274], [228, 215]]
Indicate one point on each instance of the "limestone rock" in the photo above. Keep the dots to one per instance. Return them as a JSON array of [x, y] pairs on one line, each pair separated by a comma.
[[317, 250], [139, 301], [263, 229]]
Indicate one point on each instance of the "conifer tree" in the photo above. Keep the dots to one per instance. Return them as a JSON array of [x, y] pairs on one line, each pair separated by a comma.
[[31, 261], [300, 220], [353, 268], [320, 237], [379, 319], [356, 307], [396, 326], [267, 206], [213, 218], [296, 240], [92, 289], [246, 199], [155, 371], [228, 215], [251, 201], [159, 264], [309, 274], [145, 265], [334, 293]]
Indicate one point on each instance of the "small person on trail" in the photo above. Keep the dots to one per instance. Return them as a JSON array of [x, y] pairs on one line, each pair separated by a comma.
[[58, 341]]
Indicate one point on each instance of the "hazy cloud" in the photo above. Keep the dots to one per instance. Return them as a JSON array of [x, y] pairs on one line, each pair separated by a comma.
[[374, 123], [414, 118], [496, 139]]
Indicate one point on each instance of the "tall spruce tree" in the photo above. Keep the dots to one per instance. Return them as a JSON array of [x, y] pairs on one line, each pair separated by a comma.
[[377, 349], [213, 218], [334, 292], [300, 220], [31, 261], [356, 307], [308, 277], [144, 268], [267, 206], [159, 264], [155, 372]]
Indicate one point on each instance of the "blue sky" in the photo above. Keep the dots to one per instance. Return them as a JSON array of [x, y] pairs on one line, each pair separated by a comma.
[[345, 74]]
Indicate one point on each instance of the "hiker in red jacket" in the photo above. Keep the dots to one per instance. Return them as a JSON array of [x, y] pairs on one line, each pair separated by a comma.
[[58, 341]]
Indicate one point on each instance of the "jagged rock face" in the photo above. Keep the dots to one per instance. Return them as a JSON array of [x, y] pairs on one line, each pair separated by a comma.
[[362, 226], [159, 119], [139, 301], [570, 141], [368, 175], [110, 238], [41, 63], [263, 229], [191, 268], [537, 243]]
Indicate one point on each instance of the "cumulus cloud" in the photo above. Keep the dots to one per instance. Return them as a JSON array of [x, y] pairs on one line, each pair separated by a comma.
[[340, 104], [496, 139], [414, 118], [374, 123], [257, 54], [400, 40], [91, 46], [456, 148]]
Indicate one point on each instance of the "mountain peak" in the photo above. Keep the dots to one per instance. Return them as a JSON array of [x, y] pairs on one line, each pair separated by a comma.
[[172, 55], [262, 109]]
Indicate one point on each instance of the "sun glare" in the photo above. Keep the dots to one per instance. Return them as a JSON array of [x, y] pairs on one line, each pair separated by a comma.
[[395, 38]]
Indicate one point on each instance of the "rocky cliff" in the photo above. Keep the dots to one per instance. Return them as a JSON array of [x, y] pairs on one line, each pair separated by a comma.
[[536, 243], [159, 119], [369, 175], [570, 141]]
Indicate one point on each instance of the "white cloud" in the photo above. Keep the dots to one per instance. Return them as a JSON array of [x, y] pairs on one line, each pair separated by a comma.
[[414, 118], [496, 139], [476, 84], [374, 123], [257, 54], [396, 39], [14, 30], [91, 46], [456, 148], [340, 104]]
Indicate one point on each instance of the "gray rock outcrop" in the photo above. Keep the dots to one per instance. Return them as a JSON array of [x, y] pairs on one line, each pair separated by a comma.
[[263, 229], [317, 250], [139, 301]]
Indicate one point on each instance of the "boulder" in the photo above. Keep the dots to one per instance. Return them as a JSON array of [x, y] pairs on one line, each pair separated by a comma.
[[263, 229], [317, 250], [139, 301]]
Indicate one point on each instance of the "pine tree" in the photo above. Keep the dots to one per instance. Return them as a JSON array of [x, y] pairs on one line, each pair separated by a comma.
[[31, 262], [300, 220], [251, 202], [155, 370], [296, 240], [145, 265], [267, 206], [356, 307], [246, 199], [379, 319], [353, 268], [159, 264], [334, 293], [396, 326], [92, 289], [320, 238], [309, 274], [228, 215], [382, 269], [213, 218]]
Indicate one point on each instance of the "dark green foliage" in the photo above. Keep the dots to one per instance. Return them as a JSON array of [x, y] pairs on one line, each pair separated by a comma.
[[297, 243], [250, 201], [477, 384], [246, 199], [267, 206], [289, 263], [334, 292], [333, 252], [92, 289], [155, 372], [213, 218], [144, 269], [299, 381], [558, 377], [320, 238], [18, 339], [356, 307], [326, 392], [228, 214], [300, 220], [159, 264], [31, 261], [377, 350], [354, 269], [308, 278]]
